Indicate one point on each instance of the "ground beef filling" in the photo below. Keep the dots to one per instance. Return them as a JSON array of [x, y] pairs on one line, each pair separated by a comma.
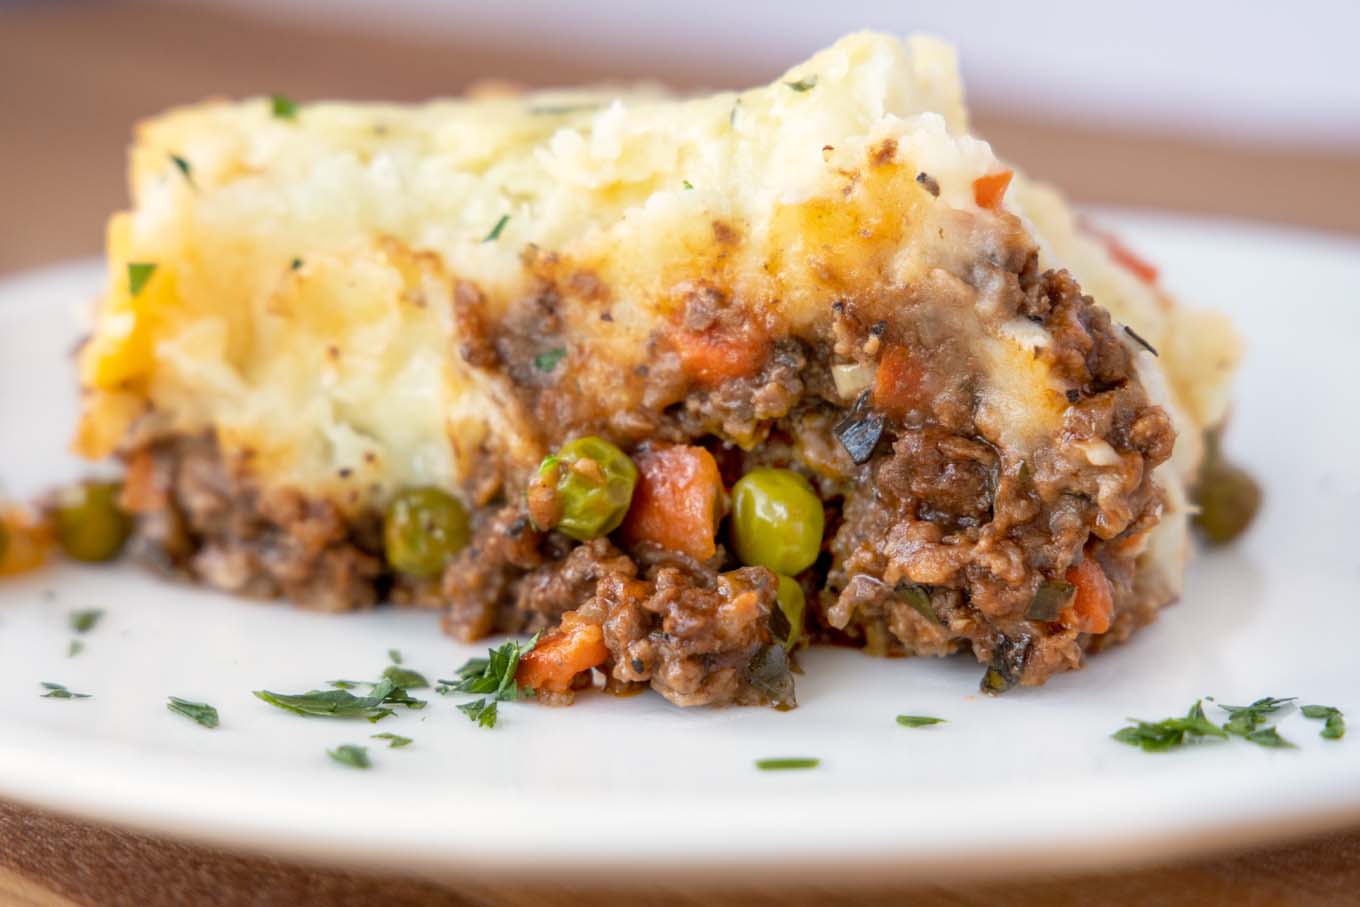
[[200, 517], [937, 539]]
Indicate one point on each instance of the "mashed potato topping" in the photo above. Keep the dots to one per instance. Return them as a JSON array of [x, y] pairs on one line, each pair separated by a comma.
[[304, 307]]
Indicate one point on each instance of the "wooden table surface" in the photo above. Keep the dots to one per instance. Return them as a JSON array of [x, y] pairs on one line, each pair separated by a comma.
[[74, 76]]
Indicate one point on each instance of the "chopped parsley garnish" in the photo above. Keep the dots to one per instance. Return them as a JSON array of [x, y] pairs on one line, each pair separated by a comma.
[[480, 711], [283, 107], [1247, 718], [1160, 736], [201, 712], [555, 110], [783, 765], [295, 264], [495, 233], [343, 704], [59, 691], [75, 648], [394, 741], [687, 184], [547, 360], [1268, 737], [351, 755], [732, 116], [394, 655], [807, 83], [405, 678], [184, 168], [1335, 726], [139, 272], [345, 684], [918, 720], [494, 674], [84, 621]]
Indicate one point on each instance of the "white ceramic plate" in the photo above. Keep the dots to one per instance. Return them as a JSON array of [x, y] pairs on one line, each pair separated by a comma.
[[615, 788]]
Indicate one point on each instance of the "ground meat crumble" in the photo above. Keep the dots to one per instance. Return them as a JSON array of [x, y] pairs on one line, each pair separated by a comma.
[[937, 539]]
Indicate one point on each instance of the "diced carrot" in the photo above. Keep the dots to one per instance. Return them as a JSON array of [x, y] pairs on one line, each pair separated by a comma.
[[574, 646], [716, 355], [677, 501], [1092, 608], [1122, 254], [899, 383], [27, 541], [141, 493], [990, 189]]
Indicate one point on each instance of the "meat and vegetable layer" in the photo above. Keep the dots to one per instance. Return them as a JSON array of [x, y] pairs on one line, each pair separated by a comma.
[[683, 384]]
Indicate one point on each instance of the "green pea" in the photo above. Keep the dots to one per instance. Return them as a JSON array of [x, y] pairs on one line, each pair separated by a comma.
[[791, 604], [90, 526], [423, 529], [1228, 499], [592, 485], [777, 521]]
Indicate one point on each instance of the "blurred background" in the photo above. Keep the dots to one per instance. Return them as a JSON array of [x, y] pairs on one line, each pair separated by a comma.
[[1242, 109]]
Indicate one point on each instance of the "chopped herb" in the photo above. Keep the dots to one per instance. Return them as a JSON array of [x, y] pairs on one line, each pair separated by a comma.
[[283, 107], [139, 272], [807, 83], [1269, 737], [201, 712], [494, 674], [75, 648], [394, 655], [783, 765], [84, 621], [1050, 600], [918, 597], [918, 720], [184, 168], [345, 684], [687, 184], [1247, 718], [561, 109], [394, 741], [351, 755], [929, 183], [58, 691], [768, 674], [547, 361], [405, 678], [1335, 727], [732, 116], [1139, 340], [295, 264], [495, 233], [1160, 736], [480, 711], [859, 432], [341, 703]]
